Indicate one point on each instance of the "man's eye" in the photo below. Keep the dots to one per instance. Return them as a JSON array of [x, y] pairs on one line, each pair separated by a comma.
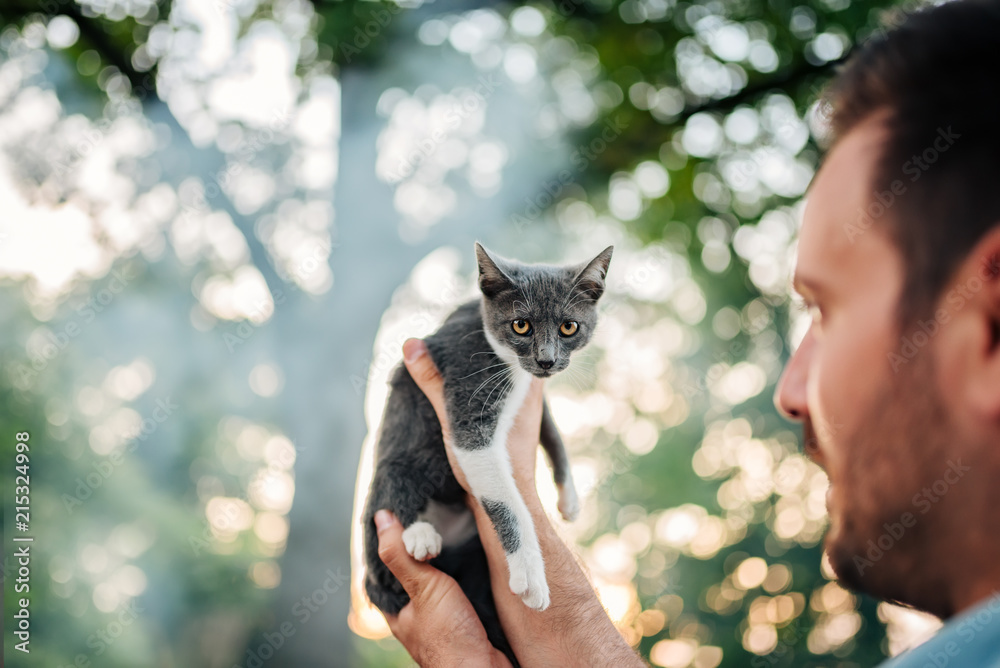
[[812, 309]]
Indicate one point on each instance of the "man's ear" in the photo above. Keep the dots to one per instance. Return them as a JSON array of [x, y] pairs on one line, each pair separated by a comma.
[[978, 283], [590, 279], [492, 279]]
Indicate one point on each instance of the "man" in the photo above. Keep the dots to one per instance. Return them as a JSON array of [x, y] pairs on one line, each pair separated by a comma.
[[896, 382]]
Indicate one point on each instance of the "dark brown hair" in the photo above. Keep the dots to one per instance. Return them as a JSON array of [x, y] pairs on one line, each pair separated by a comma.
[[936, 76]]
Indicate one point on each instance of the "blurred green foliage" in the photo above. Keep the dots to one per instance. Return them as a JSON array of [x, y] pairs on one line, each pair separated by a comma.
[[636, 45]]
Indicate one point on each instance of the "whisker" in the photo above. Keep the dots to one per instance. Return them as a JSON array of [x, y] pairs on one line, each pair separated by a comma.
[[470, 334], [574, 376], [579, 298], [582, 372], [572, 287], [486, 403], [508, 383], [578, 366], [492, 377], [521, 290], [492, 366]]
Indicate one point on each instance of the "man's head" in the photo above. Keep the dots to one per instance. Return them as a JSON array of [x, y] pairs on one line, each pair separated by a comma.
[[897, 380]]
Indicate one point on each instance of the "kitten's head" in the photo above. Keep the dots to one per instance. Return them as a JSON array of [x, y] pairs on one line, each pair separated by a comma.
[[540, 313]]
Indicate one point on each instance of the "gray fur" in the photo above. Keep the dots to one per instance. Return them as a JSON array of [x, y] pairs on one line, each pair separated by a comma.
[[553, 445], [546, 296], [504, 522], [412, 475]]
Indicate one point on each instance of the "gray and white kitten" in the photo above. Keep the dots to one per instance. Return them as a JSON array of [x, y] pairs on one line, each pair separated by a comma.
[[529, 321]]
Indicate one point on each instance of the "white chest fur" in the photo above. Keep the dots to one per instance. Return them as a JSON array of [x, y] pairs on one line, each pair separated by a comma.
[[488, 472]]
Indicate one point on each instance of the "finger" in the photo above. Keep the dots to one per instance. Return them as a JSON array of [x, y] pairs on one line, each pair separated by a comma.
[[395, 627], [412, 574], [402, 625], [423, 371], [427, 377]]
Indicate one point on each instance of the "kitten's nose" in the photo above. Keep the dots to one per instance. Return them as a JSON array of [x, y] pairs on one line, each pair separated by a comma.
[[546, 364]]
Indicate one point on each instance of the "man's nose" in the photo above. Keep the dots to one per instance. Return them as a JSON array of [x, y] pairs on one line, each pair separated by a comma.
[[790, 395]]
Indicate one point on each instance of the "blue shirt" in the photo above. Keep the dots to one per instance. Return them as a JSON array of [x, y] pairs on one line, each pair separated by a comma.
[[970, 639]]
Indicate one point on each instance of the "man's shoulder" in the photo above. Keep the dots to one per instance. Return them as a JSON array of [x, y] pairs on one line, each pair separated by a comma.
[[969, 639]]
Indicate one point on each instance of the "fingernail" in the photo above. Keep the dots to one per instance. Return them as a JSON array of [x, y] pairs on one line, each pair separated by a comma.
[[383, 520], [413, 349]]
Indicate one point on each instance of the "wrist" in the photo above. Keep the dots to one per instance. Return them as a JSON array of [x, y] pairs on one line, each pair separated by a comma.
[[525, 481], [490, 659]]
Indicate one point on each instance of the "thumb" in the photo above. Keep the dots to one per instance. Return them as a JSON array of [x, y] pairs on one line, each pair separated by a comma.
[[412, 574], [426, 375]]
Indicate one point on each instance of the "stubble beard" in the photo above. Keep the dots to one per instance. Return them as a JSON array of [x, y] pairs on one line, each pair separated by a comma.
[[879, 542]]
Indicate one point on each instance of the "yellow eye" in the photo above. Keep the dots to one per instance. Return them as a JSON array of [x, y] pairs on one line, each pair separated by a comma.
[[568, 328], [522, 327]]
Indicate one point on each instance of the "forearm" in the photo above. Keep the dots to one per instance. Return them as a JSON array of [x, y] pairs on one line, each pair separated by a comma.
[[575, 629]]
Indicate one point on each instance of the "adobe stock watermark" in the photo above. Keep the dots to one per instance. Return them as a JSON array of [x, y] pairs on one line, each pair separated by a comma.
[[119, 106], [103, 638], [384, 359], [303, 610], [580, 159], [420, 321], [238, 161], [915, 167], [970, 627], [722, 363], [911, 344], [822, 430], [104, 468], [742, 173], [924, 501], [789, 636], [363, 35], [260, 312], [891, 18], [57, 341], [231, 511], [263, 310], [471, 101]]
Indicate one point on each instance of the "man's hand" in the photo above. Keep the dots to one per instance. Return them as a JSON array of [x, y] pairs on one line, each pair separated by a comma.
[[522, 442], [575, 630], [438, 627]]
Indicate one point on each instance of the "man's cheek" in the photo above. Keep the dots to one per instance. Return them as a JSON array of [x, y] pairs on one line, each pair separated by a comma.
[[840, 408], [828, 395]]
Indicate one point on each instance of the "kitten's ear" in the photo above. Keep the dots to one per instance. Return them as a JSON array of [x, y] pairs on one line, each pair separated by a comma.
[[492, 280], [590, 280]]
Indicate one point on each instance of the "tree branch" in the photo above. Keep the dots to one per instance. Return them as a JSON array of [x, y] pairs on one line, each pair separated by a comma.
[[791, 76]]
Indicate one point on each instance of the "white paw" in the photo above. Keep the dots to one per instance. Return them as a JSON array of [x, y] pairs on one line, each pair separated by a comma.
[[527, 578], [569, 503], [422, 541]]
